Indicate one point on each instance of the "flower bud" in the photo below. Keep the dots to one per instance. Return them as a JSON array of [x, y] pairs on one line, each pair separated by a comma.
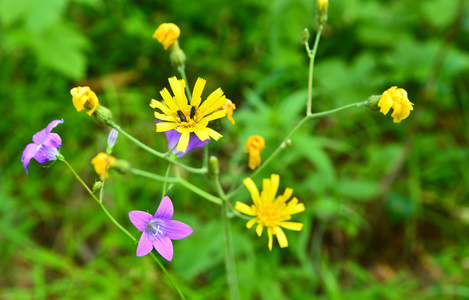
[[213, 167], [167, 34], [111, 140], [177, 57], [103, 115], [84, 97], [372, 102], [322, 6], [122, 166], [305, 36], [97, 186], [395, 98]]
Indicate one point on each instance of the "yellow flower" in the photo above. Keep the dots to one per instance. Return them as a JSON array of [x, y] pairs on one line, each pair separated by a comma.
[[254, 146], [229, 107], [187, 118], [167, 34], [271, 211], [99, 162], [84, 97], [395, 98], [323, 4]]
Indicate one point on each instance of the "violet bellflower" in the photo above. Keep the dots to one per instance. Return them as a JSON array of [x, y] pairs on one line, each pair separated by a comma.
[[44, 146], [194, 142], [159, 230]]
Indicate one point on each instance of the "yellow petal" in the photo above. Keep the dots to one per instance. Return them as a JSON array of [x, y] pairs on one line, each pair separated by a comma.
[[216, 115], [291, 225], [287, 194], [165, 126], [201, 134], [213, 134], [385, 102], [245, 209], [178, 92], [251, 222], [281, 237], [207, 105], [252, 188], [197, 93], [158, 104], [183, 141], [168, 99], [259, 229], [164, 117], [269, 233]]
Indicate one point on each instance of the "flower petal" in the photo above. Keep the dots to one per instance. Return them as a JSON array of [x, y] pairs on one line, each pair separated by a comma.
[[183, 141], [53, 140], [168, 99], [176, 230], [291, 225], [165, 210], [164, 246], [251, 222], [245, 209], [259, 229], [45, 154], [269, 234], [281, 237], [194, 143], [157, 104], [252, 188], [197, 93], [28, 153], [165, 126], [140, 219], [53, 124], [144, 245]]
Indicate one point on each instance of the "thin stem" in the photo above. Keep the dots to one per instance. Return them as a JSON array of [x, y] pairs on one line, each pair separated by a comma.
[[312, 55], [179, 180], [123, 229], [182, 71], [156, 153], [283, 146], [229, 253], [165, 181], [167, 275], [101, 192]]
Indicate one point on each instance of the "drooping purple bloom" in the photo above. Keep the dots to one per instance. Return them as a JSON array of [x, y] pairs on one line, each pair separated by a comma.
[[112, 138], [173, 137], [159, 230], [44, 146]]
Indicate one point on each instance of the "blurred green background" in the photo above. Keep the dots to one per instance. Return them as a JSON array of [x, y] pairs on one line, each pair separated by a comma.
[[387, 205]]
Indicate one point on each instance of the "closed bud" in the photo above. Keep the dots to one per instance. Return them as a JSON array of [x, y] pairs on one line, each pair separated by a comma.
[[305, 36], [176, 55], [322, 6], [213, 167], [103, 115], [97, 186]]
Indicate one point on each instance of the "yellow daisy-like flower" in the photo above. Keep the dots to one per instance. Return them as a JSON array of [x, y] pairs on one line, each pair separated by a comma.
[[254, 146], [167, 34], [229, 107], [395, 98], [99, 163], [271, 211], [82, 97], [187, 118]]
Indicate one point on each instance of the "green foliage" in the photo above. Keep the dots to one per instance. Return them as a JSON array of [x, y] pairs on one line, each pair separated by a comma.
[[387, 205]]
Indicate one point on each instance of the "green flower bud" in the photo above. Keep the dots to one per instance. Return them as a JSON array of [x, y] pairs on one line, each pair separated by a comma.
[[213, 167]]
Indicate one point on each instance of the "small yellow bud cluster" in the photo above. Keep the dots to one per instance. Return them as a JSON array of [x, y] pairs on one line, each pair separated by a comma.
[[254, 146]]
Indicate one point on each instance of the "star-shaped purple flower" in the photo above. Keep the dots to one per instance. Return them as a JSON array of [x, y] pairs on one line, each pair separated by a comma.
[[159, 230], [173, 137], [44, 146]]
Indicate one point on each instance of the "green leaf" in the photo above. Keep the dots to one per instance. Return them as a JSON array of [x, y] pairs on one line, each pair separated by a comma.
[[358, 189]]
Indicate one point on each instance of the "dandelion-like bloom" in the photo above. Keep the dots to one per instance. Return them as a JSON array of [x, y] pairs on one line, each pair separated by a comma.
[[167, 34], [82, 97], [229, 107], [44, 146], [395, 98], [99, 163], [159, 230], [187, 118], [271, 211], [254, 146]]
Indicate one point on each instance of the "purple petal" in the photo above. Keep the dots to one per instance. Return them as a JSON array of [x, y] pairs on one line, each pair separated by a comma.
[[164, 246], [165, 209], [140, 219], [144, 245], [28, 153], [53, 124], [173, 137], [53, 140], [45, 154], [176, 230]]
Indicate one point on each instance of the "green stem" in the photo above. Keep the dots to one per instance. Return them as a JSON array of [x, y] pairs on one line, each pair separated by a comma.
[[122, 228], [167, 275], [156, 153], [283, 144], [165, 181], [182, 71], [179, 180], [312, 55], [229, 253], [101, 192]]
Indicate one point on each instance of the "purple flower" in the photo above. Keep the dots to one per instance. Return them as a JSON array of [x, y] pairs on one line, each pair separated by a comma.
[[44, 146], [159, 230], [173, 137], [112, 137]]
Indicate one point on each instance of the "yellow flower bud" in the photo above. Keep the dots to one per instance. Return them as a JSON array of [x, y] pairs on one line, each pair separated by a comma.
[[99, 163], [395, 98], [167, 34], [254, 146], [229, 107], [84, 97], [322, 10]]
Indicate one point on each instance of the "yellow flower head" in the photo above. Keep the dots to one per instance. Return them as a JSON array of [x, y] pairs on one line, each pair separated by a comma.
[[187, 118], [167, 34], [82, 97], [99, 162], [229, 107], [254, 146], [271, 211], [395, 98]]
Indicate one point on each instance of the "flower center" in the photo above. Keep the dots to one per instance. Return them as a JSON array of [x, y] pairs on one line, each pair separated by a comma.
[[153, 229], [269, 216]]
